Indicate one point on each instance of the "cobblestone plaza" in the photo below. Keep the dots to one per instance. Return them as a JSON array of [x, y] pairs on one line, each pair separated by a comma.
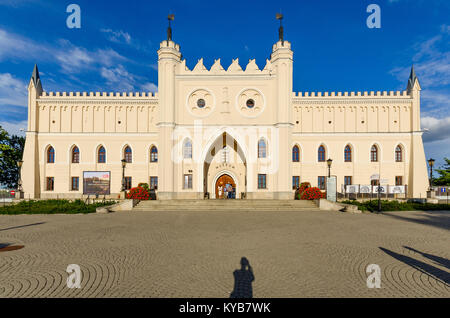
[[194, 254]]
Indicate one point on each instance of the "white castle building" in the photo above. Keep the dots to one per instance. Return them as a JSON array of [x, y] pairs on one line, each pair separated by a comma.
[[206, 128]]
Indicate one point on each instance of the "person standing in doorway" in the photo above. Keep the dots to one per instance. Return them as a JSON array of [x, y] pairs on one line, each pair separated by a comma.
[[219, 190], [225, 191]]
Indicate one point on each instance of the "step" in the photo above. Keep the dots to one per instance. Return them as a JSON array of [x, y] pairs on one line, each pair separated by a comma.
[[226, 205]]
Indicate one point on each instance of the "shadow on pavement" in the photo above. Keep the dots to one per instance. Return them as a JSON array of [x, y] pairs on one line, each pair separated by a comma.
[[436, 219], [425, 268], [243, 279], [20, 226], [437, 259]]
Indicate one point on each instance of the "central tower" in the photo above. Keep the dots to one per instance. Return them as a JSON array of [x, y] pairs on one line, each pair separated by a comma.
[[282, 61], [169, 57]]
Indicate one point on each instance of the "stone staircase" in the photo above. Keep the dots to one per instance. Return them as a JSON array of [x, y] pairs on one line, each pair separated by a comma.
[[227, 205]]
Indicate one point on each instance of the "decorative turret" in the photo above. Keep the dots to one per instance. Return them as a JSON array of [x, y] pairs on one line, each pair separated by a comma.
[[412, 82], [35, 79]]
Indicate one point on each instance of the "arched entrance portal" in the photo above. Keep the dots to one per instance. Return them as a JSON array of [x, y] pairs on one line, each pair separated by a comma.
[[225, 183], [224, 156]]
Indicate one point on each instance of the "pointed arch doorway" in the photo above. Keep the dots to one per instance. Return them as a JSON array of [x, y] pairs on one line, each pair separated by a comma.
[[225, 181]]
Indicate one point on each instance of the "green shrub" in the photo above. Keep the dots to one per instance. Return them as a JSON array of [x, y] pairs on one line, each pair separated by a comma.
[[52, 207], [386, 205], [144, 185]]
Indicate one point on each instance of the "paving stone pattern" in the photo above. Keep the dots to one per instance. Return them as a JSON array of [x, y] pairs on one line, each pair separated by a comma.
[[194, 254]]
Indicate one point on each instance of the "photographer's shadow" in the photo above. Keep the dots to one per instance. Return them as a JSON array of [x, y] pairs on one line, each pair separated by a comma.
[[243, 279]]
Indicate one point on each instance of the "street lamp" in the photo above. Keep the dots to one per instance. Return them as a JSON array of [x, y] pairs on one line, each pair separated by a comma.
[[19, 182], [124, 163], [329, 162], [431, 164]]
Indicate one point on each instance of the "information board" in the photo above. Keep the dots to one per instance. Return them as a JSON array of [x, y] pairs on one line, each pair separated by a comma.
[[96, 182], [331, 188]]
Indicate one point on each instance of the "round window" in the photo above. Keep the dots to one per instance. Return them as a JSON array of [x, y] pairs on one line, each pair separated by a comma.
[[250, 103], [201, 103]]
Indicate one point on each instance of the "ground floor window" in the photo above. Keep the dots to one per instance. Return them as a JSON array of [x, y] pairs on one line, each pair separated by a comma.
[[154, 183], [50, 183], [188, 181], [127, 183], [321, 182], [347, 180], [75, 183], [295, 182], [262, 178], [398, 180]]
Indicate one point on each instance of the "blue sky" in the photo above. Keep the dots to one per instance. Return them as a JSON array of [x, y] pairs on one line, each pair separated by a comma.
[[334, 50]]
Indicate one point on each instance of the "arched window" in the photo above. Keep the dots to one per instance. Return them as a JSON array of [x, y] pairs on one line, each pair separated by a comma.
[[101, 156], [50, 155], [348, 154], [128, 154], [154, 154], [262, 148], [187, 149], [321, 154], [398, 154], [295, 154], [75, 155], [374, 154]]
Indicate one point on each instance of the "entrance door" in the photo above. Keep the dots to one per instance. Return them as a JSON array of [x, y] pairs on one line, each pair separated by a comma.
[[225, 181]]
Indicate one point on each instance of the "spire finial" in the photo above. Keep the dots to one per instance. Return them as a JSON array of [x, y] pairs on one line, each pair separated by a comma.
[[36, 79], [412, 75], [170, 17], [412, 79], [279, 16], [35, 75]]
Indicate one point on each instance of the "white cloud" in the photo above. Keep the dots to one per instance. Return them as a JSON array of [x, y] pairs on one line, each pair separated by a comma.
[[437, 102], [16, 3], [432, 65], [438, 129], [120, 79], [15, 128], [117, 36], [149, 87], [15, 46], [12, 90], [75, 59], [71, 58]]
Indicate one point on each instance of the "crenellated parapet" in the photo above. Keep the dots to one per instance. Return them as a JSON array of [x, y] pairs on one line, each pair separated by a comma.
[[121, 95], [233, 69], [369, 94]]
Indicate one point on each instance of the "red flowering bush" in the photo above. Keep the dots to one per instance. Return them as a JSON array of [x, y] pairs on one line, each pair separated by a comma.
[[302, 188], [139, 193], [312, 194]]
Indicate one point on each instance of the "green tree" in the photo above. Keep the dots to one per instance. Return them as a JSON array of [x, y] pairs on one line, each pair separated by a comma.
[[11, 150], [444, 174]]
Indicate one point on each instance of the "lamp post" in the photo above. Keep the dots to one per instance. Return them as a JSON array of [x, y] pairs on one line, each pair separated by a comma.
[[124, 163], [431, 164], [329, 162], [19, 181], [379, 196]]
